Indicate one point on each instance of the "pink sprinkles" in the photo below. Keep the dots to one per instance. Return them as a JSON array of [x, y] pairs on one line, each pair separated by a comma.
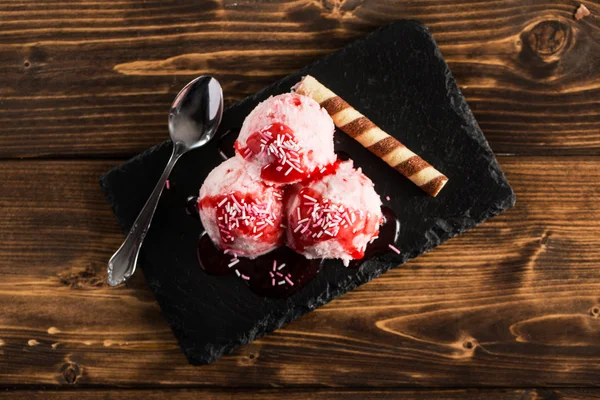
[[275, 272], [323, 218], [283, 149], [237, 212], [168, 184], [312, 199], [394, 249], [233, 262]]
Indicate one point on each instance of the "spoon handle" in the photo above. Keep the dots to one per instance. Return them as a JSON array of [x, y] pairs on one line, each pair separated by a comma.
[[122, 264]]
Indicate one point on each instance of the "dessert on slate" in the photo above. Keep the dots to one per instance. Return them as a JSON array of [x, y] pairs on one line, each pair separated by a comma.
[[285, 185], [333, 216], [240, 214], [286, 138]]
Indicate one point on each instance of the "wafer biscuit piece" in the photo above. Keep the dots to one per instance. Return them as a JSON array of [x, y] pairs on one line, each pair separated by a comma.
[[378, 142]]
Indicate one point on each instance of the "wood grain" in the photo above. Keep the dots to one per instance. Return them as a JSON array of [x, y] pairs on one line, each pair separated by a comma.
[[299, 394], [93, 78], [514, 302]]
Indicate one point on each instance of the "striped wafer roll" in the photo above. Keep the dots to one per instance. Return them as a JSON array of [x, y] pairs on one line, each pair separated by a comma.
[[384, 146]]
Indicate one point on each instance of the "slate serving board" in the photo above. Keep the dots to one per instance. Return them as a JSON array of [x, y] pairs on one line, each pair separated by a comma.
[[398, 78]]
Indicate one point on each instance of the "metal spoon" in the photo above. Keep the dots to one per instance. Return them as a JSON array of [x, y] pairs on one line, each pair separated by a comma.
[[193, 121]]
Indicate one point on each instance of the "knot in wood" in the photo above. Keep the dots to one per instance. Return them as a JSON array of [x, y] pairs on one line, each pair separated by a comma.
[[70, 372], [338, 8], [82, 279], [548, 38], [249, 360]]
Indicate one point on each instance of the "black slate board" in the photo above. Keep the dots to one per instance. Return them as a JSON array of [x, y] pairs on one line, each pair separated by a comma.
[[397, 77]]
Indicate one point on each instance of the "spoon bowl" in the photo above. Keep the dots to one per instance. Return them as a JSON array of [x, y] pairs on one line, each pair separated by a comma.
[[196, 112], [194, 118]]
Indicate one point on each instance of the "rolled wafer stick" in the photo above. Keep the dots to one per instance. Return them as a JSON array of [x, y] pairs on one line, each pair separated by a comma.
[[378, 142]]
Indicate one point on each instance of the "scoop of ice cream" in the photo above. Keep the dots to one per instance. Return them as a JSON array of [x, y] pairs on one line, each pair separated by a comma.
[[333, 216], [286, 138], [239, 213]]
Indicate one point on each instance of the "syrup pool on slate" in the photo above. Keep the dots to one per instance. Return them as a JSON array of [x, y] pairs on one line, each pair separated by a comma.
[[388, 235], [281, 272]]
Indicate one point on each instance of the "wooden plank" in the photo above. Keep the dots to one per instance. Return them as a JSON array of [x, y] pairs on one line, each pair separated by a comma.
[[97, 78], [307, 394], [514, 302]]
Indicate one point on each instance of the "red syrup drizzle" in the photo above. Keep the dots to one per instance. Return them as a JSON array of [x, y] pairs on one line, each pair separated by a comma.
[[301, 270], [260, 221], [277, 142], [318, 220], [389, 231]]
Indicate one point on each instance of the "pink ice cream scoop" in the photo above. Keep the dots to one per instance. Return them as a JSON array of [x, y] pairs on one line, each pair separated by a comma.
[[240, 213], [333, 216], [286, 138]]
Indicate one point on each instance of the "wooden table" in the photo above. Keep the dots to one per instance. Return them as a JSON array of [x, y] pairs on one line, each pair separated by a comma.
[[509, 310]]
